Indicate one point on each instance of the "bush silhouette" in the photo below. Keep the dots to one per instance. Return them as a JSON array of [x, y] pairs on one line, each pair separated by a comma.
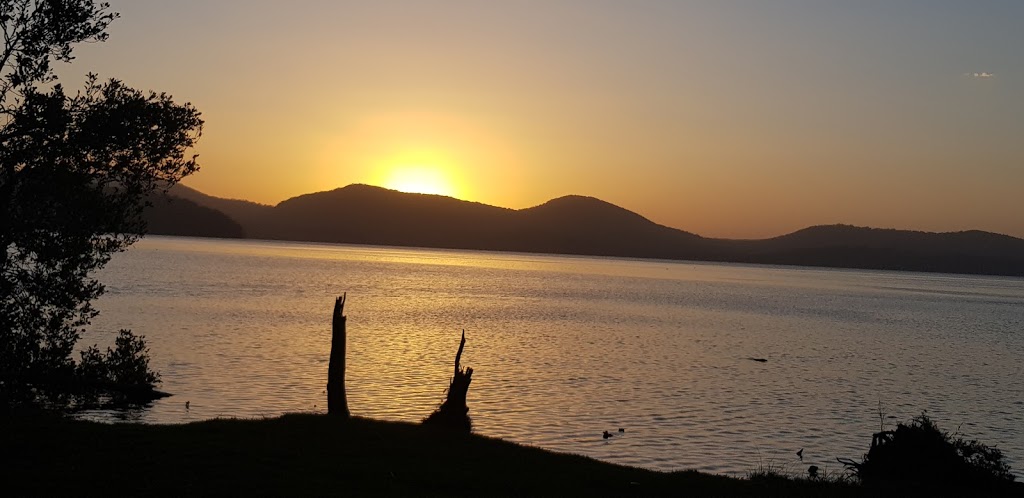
[[919, 452], [122, 373]]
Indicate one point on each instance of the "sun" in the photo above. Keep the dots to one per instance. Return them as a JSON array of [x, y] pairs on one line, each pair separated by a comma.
[[419, 179], [420, 170]]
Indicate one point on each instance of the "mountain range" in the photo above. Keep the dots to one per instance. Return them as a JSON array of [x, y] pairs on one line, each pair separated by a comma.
[[363, 214]]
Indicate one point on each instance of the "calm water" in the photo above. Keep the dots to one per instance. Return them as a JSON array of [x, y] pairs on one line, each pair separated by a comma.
[[564, 348]]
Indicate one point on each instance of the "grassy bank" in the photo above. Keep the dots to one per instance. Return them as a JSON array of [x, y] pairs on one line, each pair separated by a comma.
[[313, 454]]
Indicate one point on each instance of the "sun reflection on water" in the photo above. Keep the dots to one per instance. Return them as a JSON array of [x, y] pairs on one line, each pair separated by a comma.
[[566, 347]]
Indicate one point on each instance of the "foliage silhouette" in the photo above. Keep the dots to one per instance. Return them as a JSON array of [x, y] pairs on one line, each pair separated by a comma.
[[921, 453], [122, 373], [75, 173]]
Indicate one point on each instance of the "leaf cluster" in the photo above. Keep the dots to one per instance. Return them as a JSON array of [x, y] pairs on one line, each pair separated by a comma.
[[121, 370], [919, 452], [40, 32], [75, 172]]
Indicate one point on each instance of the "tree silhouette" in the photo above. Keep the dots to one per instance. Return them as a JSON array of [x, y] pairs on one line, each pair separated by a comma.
[[453, 413], [75, 170]]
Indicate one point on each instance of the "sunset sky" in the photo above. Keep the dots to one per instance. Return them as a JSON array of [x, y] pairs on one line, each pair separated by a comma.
[[724, 118]]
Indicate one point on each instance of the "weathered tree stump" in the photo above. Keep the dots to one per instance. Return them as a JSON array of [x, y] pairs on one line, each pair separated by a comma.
[[453, 413], [337, 404]]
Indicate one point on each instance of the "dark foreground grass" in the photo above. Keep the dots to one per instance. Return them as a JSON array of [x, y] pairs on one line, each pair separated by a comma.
[[317, 455]]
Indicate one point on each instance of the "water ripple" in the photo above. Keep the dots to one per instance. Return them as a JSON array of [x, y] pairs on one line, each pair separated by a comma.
[[565, 348]]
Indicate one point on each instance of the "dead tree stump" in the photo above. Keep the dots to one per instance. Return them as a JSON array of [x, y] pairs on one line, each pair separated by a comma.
[[453, 413], [337, 404]]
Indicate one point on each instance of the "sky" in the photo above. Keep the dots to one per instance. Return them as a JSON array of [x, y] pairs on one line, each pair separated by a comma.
[[738, 119]]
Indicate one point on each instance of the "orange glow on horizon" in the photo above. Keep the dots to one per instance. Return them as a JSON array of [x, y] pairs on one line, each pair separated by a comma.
[[419, 171], [419, 179], [417, 152]]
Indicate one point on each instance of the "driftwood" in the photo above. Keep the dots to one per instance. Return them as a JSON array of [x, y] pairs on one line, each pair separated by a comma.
[[337, 404], [453, 413]]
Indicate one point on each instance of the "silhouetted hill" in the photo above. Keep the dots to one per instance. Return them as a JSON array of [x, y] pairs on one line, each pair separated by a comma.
[[363, 214], [974, 241], [250, 215], [177, 216], [584, 225], [889, 249]]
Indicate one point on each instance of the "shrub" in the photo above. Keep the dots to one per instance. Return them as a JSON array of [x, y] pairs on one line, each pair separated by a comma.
[[921, 453], [123, 371]]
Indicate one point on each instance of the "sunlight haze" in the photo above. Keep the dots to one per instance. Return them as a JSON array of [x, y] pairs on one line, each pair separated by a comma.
[[724, 118]]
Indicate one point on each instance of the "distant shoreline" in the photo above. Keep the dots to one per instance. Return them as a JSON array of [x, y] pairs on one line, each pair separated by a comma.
[[623, 258], [570, 225]]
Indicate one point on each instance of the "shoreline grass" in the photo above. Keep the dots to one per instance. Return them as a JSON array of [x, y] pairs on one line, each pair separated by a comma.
[[305, 454]]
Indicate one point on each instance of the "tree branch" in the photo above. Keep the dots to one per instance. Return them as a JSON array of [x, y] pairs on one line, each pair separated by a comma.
[[458, 355]]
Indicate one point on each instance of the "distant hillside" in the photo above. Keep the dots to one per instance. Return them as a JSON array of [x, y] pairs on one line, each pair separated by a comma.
[[585, 225], [250, 215], [974, 241], [888, 249], [362, 214], [176, 216]]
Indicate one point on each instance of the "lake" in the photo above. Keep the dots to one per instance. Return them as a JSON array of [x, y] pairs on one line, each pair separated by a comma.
[[564, 348]]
